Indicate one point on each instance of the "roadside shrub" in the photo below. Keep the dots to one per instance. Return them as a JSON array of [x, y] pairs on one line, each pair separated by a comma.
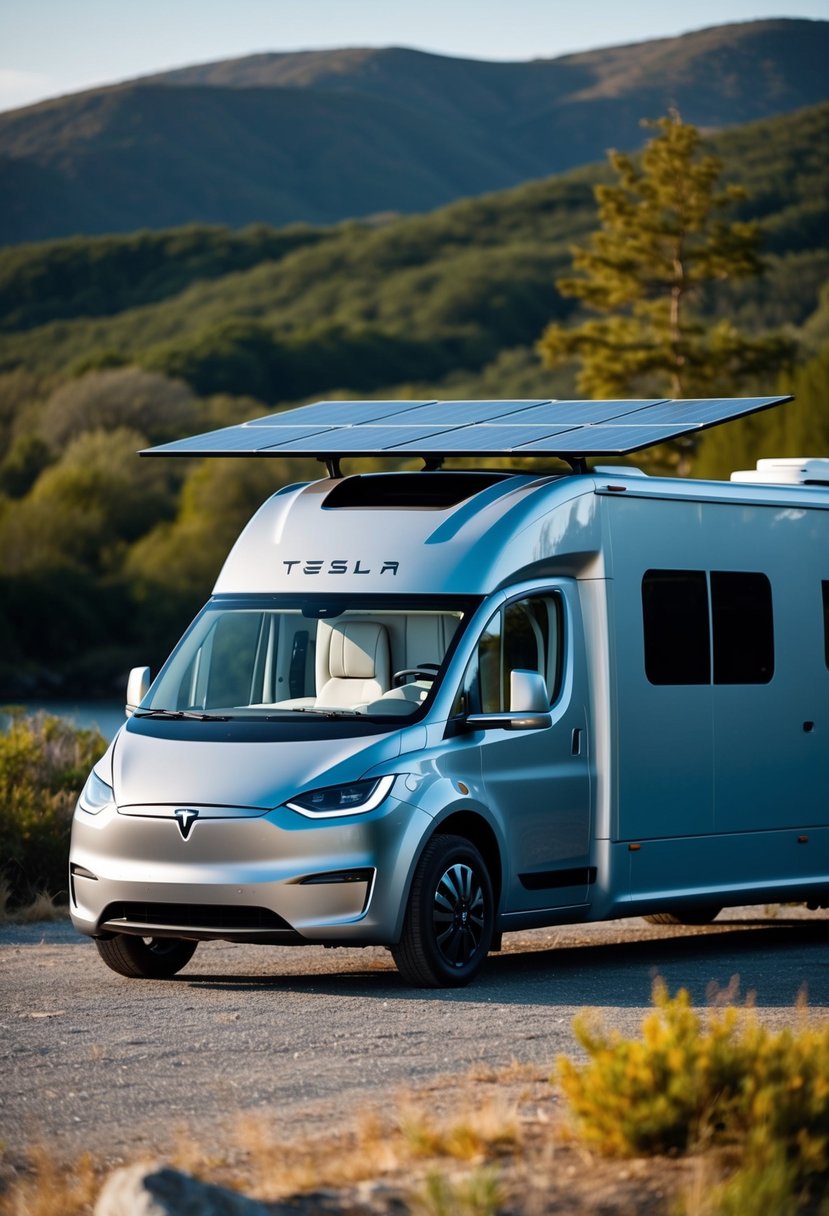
[[723, 1079], [43, 764]]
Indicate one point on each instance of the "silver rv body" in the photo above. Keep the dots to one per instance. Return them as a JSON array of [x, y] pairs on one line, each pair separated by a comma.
[[422, 709]]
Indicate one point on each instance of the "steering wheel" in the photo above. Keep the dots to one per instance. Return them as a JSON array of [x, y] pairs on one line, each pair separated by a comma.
[[425, 671]]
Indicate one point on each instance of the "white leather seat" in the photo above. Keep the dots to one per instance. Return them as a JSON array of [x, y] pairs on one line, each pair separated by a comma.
[[353, 664]]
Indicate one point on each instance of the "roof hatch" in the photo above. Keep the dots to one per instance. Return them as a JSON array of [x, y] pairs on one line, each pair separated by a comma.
[[428, 489]]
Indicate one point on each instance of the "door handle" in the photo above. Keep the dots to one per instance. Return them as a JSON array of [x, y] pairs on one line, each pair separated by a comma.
[[575, 741]]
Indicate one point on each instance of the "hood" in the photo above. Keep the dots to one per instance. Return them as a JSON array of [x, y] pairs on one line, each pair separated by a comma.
[[155, 771]]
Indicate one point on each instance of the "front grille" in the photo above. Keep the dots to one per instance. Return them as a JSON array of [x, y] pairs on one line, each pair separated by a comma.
[[217, 917]]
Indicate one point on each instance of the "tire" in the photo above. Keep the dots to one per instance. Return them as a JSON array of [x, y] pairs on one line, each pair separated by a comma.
[[450, 918], [145, 958], [690, 916]]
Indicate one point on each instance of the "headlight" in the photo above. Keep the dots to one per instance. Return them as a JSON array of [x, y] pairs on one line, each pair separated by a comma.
[[353, 799], [95, 795]]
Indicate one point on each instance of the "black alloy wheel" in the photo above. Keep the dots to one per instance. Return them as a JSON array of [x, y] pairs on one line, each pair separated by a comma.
[[450, 918]]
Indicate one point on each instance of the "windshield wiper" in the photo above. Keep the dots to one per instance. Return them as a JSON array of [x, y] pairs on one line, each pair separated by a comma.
[[323, 713], [181, 713]]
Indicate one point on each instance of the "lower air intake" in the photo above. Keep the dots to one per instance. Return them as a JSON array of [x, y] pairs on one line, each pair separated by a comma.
[[216, 918]]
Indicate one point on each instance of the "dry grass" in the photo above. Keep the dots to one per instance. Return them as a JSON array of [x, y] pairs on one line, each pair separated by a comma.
[[478, 1194], [49, 1188], [465, 1146], [487, 1131], [42, 908]]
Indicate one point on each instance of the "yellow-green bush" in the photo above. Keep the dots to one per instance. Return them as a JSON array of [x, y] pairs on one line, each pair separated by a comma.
[[722, 1078], [43, 764]]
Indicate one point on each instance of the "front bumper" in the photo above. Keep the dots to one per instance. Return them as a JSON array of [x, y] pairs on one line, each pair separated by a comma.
[[242, 875]]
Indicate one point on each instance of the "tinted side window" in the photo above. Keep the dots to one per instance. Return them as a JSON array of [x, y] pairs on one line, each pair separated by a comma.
[[675, 615], [525, 634], [741, 612], [825, 589]]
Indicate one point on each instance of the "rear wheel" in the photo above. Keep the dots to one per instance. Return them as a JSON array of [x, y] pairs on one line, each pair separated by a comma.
[[686, 916], [450, 917], [148, 958]]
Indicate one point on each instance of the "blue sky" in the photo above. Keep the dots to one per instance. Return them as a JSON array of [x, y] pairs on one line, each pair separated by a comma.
[[51, 47]]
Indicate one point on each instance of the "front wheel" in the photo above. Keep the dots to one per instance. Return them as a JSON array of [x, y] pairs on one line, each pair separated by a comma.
[[145, 958], [450, 918]]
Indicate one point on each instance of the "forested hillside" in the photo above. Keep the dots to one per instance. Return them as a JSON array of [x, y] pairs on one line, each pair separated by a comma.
[[320, 136], [108, 344]]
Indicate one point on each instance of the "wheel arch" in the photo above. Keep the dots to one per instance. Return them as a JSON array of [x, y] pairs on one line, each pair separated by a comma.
[[474, 828]]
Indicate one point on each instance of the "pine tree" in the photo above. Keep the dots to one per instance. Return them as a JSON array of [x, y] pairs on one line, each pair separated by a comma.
[[662, 240]]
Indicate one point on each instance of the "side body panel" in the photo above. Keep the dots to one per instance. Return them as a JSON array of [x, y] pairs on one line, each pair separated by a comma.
[[721, 792]]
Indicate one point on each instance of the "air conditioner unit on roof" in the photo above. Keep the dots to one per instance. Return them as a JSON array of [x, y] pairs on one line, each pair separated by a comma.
[[791, 470]]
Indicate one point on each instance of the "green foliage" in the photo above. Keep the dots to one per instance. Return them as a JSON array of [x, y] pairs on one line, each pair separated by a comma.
[[86, 506], [445, 291], [690, 1080], [103, 400], [101, 276], [25, 459], [239, 355], [766, 1183], [661, 240], [43, 765]]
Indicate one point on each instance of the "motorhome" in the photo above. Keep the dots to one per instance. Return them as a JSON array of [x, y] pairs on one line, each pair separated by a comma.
[[424, 708]]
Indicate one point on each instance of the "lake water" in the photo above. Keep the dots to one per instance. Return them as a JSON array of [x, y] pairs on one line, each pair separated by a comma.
[[105, 716]]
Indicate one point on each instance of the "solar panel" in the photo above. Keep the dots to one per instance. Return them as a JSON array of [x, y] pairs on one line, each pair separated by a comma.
[[368, 440], [236, 441], [578, 413], [571, 430], [339, 413], [475, 440], [611, 440], [448, 414]]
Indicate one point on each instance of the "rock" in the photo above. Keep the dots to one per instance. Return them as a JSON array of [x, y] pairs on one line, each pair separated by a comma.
[[153, 1190]]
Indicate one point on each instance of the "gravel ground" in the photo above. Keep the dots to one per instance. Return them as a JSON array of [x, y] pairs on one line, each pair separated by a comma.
[[307, 1038]]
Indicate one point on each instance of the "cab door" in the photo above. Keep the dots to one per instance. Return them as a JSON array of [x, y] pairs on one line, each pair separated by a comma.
[[537, 781]]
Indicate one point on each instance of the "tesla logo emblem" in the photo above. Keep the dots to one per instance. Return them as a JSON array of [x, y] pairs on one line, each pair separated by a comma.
[[186, 816]]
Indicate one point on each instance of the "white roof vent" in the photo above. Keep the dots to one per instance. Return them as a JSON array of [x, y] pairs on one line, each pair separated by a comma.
[[791, 471]]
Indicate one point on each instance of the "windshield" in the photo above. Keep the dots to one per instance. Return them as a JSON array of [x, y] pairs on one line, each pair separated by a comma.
[[277, 657]]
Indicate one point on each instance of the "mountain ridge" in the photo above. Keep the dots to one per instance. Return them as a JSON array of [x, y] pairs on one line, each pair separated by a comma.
[[320, 136]]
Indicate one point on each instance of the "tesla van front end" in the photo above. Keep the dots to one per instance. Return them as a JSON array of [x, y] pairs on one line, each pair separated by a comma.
[[259, 791]]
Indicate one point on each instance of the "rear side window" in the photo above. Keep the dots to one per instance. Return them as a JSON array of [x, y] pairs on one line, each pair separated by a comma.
[[678, 639], [675, 614], [825, 589], [741, 612]]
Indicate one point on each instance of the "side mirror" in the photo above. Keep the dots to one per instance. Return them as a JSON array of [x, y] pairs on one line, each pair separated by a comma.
[[529, 706], [137, 687], [528, 693]]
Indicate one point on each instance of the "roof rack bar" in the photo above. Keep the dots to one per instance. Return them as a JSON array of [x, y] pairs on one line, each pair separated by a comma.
[[332, 464], [578, 464]]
